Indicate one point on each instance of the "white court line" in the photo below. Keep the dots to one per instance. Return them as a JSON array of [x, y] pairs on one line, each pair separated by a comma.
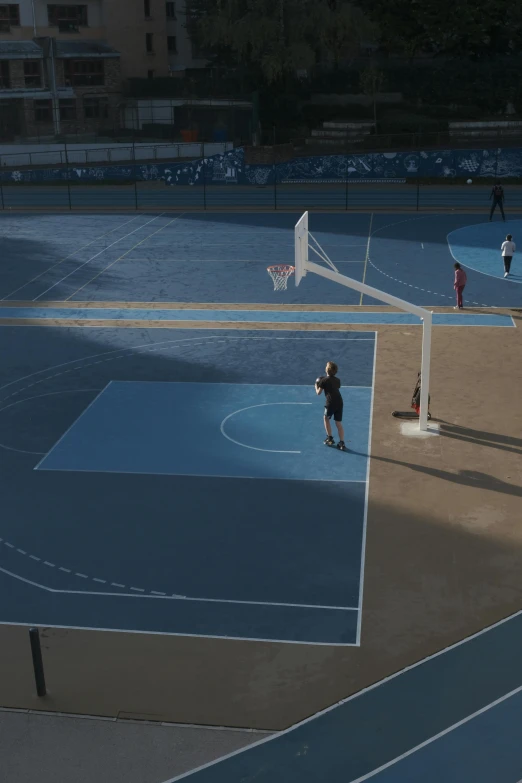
[[37, 397], [366, 499], [224, 336], [67, 431], [228, 383], [186, 635], [193, 475], [345, 701], [250, 407], [438, 736], [53, 266], [146, 596], [96, 256]]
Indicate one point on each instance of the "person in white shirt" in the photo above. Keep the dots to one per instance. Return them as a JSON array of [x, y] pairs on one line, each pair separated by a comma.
[[508, 250]]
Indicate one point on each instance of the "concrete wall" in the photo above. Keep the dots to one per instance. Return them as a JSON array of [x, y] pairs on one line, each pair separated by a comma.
[[126, 28], [14, 155], [25, 32]]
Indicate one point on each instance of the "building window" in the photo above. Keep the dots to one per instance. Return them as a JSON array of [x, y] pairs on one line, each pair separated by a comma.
[[171, 10], [43, 111], [149, 42], [68, 109], [84, 73], [5, 76], [32, 74], [9, 17], [95, 108], [146, 8], [171, 44], [68, 18]]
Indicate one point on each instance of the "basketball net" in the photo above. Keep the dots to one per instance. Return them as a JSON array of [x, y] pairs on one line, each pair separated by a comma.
[[280, 275]]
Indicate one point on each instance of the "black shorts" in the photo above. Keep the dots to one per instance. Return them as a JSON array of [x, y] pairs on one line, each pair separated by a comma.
[[334, 410]]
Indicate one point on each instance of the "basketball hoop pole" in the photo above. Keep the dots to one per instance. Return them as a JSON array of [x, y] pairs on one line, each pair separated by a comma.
[[426, 317], [425, 370]]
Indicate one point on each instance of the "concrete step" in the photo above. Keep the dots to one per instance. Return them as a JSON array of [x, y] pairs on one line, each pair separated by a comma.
[[331, 142], [345, 125], [338, 134]]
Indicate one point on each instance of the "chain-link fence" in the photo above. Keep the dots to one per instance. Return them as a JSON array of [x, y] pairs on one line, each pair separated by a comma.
[[220, 176]]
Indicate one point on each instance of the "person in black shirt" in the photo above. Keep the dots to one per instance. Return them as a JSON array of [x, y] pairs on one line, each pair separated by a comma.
[[330, 385], [497, 194]]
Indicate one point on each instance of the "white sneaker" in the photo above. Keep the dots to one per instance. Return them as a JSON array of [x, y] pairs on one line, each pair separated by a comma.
[[506, 274]]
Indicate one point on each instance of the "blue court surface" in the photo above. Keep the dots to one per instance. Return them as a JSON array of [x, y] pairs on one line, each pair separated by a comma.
[[222, 258], [455, 717], [178, 482], [359, 318]]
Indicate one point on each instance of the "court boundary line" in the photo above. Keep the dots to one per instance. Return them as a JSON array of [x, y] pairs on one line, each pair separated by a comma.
[[58, 263], [340, 703], [195, 475], [155, 345], [282, 326], [438, 736], [38, 397], [173, 597], [474, 269], [367, 256], [366, 498], [67, 431], [96, 256], [120, 258], [265, 639]]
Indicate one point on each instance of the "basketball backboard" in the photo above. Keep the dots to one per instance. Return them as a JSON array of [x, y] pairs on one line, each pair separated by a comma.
[[301, 248]]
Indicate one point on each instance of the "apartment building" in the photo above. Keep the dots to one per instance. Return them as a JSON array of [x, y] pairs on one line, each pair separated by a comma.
[[63, 65]]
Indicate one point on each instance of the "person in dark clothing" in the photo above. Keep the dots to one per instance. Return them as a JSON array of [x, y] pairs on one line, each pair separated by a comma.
[[497, 194], [333, 404]]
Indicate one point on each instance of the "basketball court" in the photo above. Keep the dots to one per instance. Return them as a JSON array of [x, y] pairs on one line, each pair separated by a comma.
[[168, 500]]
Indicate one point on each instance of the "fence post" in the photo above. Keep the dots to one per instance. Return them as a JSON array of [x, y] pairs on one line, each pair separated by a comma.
[[36, 652], [67, 171], [346, 181], [274, 165], [2, 193], [204, 173], [135, 174], [418, 169]]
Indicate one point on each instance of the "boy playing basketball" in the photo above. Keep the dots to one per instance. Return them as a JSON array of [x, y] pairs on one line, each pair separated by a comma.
[[333, 404]]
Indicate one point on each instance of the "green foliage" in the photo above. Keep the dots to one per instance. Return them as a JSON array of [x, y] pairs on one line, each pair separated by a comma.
[[473, 28], [277, 37]]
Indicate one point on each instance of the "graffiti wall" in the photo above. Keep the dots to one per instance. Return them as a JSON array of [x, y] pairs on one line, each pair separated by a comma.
[[229, 168]]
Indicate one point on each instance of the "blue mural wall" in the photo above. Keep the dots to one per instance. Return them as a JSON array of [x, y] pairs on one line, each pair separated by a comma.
[[230, 169]]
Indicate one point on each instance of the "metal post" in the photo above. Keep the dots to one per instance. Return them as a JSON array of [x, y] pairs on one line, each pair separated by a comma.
[[274, 165], [67, 173], [204, 173], [36, 652], [346, 182], [425, 371], [419, 159], [135, 175]]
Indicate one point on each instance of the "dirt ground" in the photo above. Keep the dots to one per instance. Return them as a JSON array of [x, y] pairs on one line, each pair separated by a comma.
[[443, 560]]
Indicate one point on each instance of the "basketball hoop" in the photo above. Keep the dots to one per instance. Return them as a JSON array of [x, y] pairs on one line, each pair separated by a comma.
[[280, 274]]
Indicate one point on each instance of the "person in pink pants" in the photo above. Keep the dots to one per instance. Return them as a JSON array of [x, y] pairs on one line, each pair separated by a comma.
[[459, 285]]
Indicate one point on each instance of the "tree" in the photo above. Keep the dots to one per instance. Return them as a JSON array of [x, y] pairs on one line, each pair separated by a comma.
[[277, 36], [467, 28]]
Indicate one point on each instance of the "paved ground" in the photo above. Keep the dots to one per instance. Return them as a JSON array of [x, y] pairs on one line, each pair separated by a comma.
[[444, 542], [63, 749]]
